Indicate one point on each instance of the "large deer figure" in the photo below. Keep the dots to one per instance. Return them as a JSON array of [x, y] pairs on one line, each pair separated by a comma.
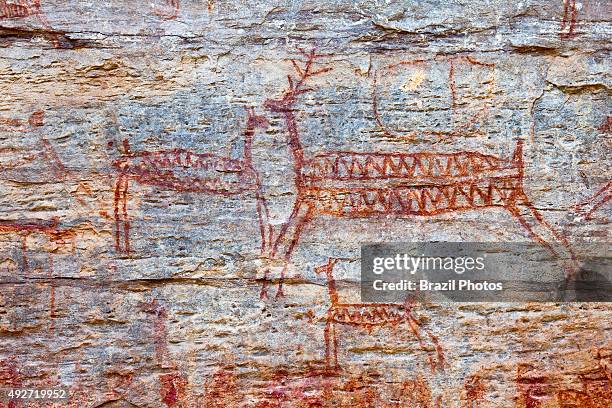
[[185, 171], [368, 316], [351, 184]]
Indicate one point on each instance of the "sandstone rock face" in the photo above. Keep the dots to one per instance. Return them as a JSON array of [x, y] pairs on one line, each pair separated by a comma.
[[160, 161]]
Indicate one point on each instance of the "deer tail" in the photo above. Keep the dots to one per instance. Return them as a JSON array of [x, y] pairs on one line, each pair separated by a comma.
[[517, 156]]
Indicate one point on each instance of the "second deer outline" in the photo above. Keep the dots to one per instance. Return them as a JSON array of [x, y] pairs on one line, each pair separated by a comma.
[[185, 171]]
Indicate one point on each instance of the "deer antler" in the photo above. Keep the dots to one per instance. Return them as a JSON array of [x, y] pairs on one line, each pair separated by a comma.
[[296, 82], [304, 72]]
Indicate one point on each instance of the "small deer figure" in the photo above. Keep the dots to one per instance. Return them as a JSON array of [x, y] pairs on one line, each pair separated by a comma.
[[368, 316], [185, 171], [348, 184]]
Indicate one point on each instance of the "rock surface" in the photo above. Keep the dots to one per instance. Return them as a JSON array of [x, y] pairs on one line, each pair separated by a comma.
[[133, 277]]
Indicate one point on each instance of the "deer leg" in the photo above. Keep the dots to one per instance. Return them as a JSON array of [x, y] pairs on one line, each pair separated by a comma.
[[335, 344], [295, 222], [331, 343], [279, 292], [265, 228], [263, 294], [120, 200], [299, 218], [415, 328], [439, 362], [541, 231], [24, 254], [283, 231], [51, 275], [126, 221], [116, 213], [327, 342], [589, 214]]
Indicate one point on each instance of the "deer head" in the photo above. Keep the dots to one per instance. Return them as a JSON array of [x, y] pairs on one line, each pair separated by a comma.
[[253, 122], [125, 153]]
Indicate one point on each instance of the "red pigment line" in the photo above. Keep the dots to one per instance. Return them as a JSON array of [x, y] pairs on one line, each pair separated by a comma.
[[598, 205], [573, 18], [596, 201], [10, 121], [116, 213], [51, 294], [172, 388], [452, 84], [24, 254], [475, 391], [565, 13], [570, 12], [126, 221], [160, 337], [532, 390]]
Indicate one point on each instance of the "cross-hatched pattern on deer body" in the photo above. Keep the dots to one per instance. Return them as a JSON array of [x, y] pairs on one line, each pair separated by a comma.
[[14, 10], [364, 315], [417, 166], [423, 183], [190, 172]]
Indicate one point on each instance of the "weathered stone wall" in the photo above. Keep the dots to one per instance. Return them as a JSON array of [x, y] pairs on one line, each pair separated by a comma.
[[131, 282]]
